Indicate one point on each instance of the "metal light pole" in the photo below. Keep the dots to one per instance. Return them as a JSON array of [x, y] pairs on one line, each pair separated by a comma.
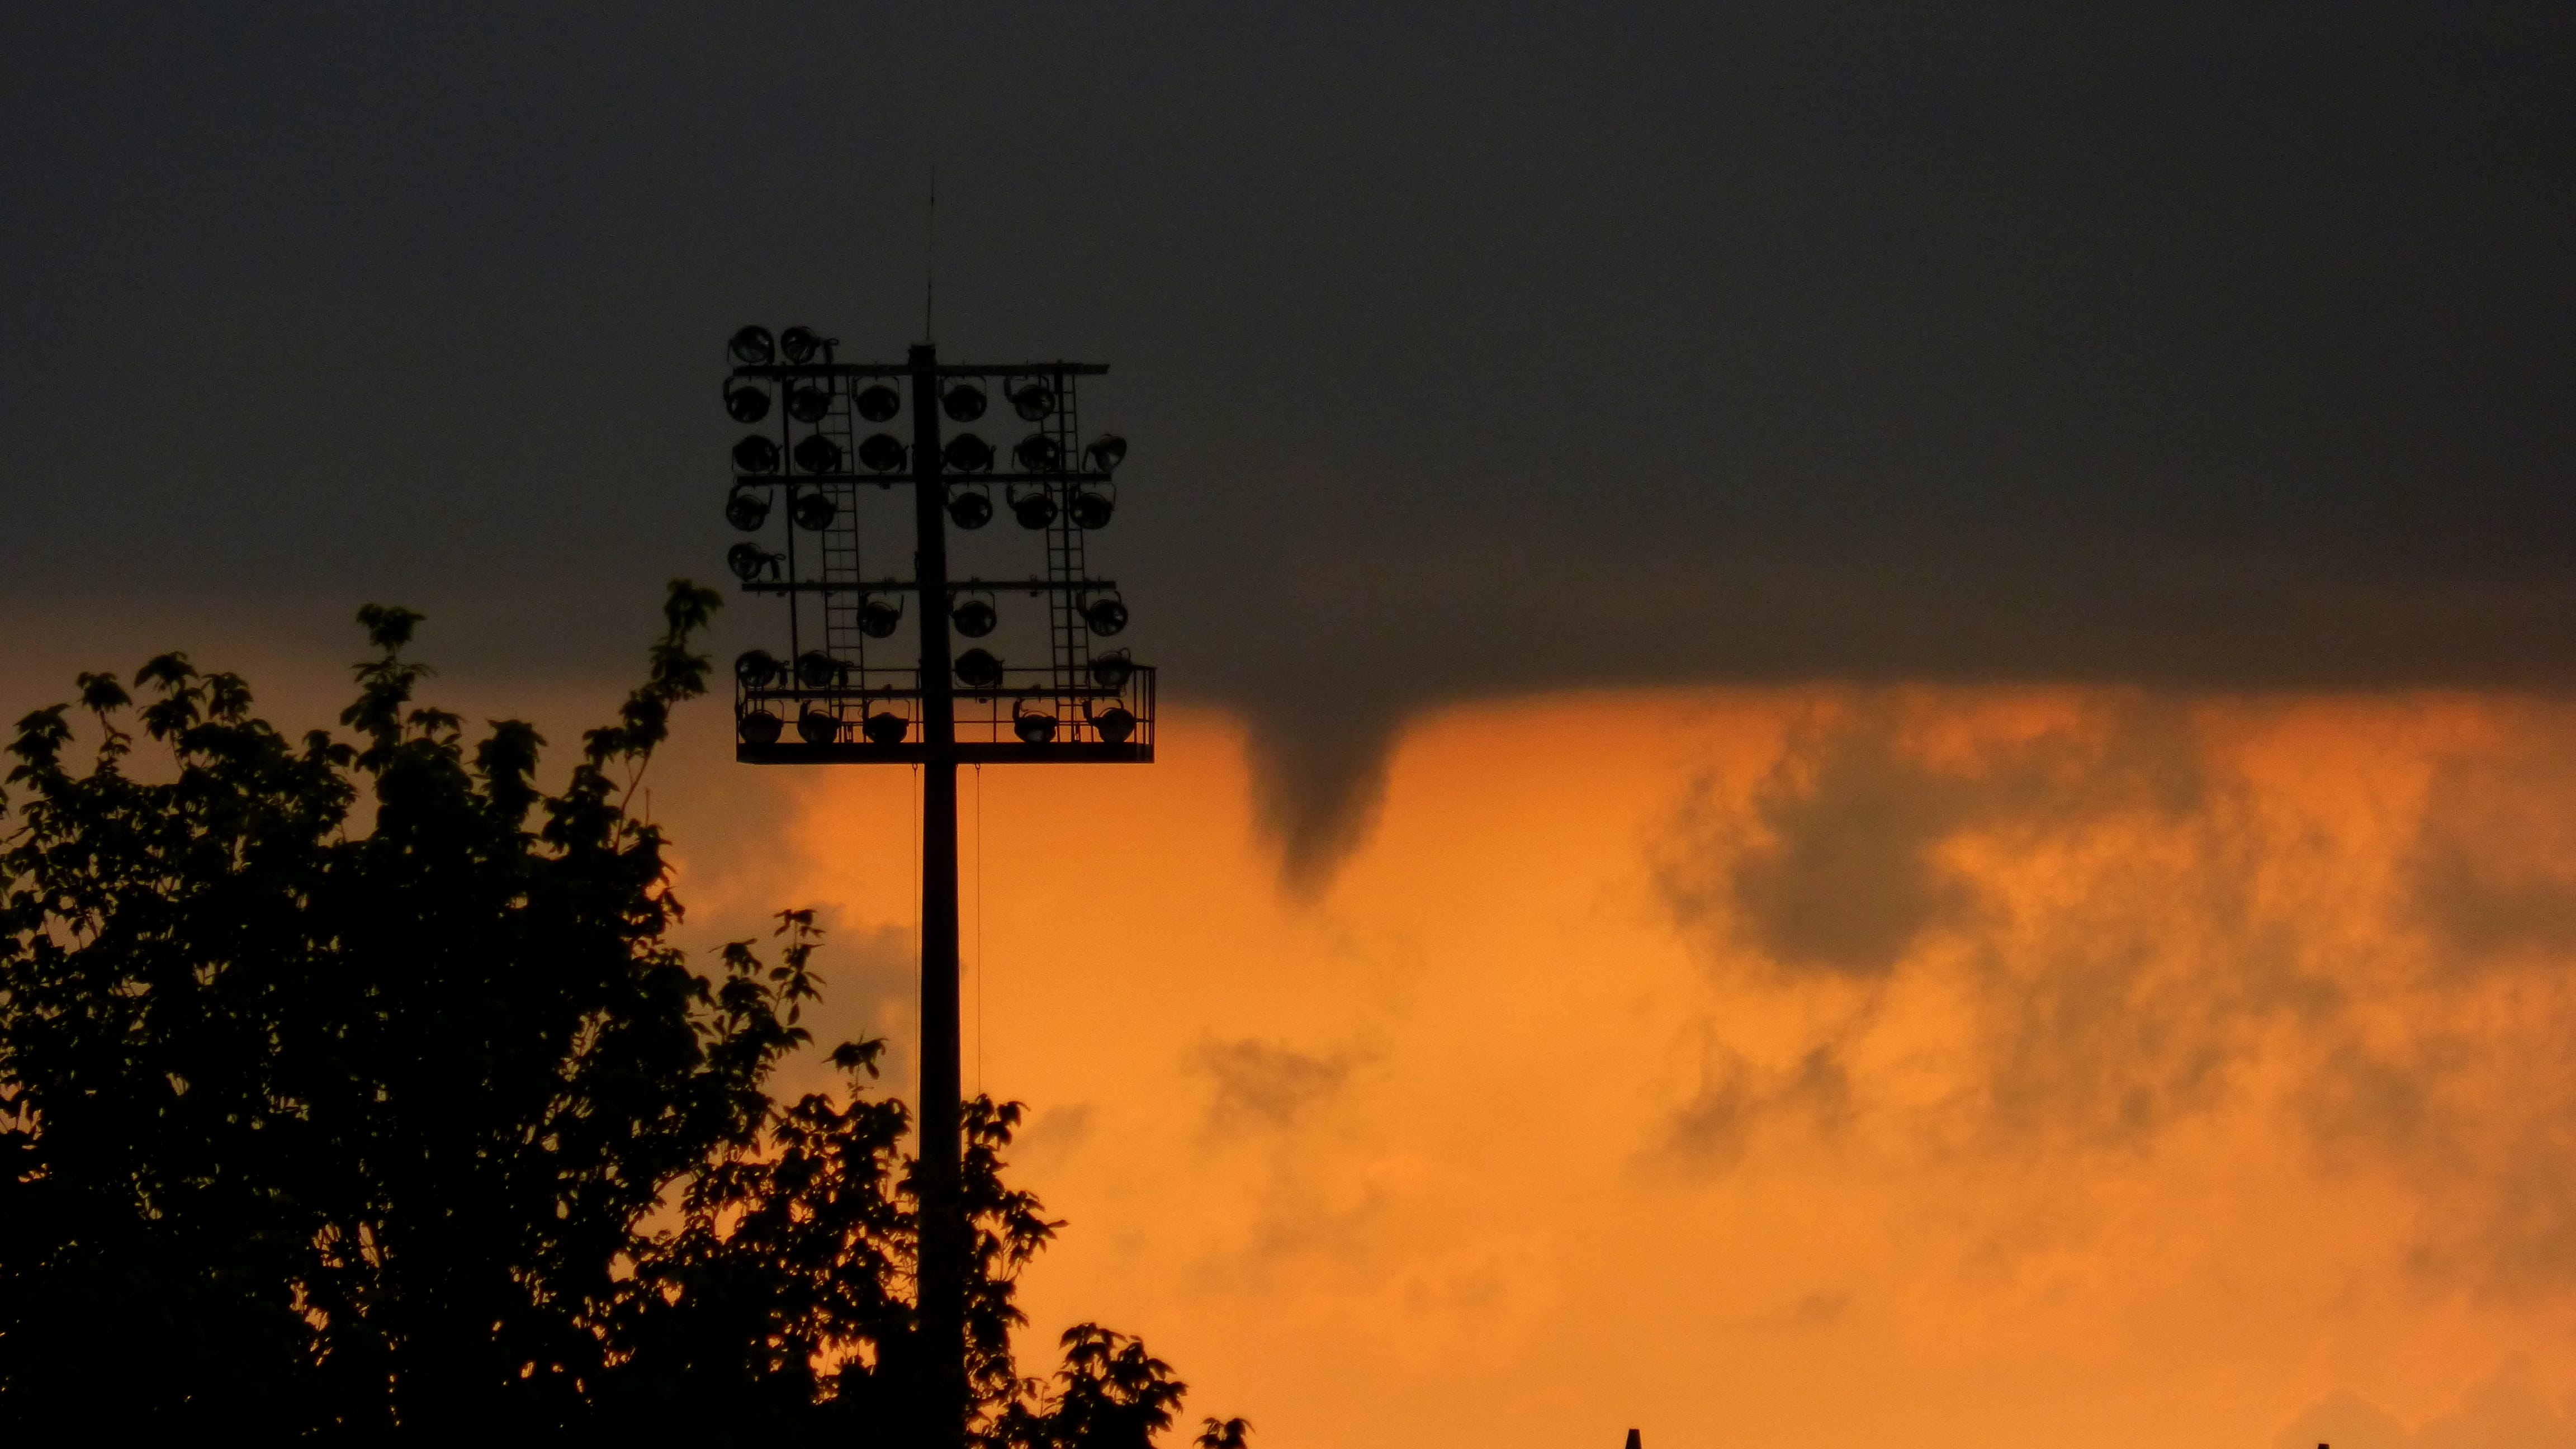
[[1084, 705]]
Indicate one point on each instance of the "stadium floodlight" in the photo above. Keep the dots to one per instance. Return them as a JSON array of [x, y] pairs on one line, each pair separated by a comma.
[[755, 454], [1033, 400], [974, 617], [879, 404], [1107, 615], [818, 454], [881, 453], [807, 403], [967, 453], [873, 667], [878, 617], [971, 506], [979, 669]]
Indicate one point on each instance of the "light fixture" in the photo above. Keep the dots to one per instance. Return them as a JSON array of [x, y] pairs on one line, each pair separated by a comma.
[[747, 507], [818, 454], [1033, 507], [978, 669], [747, 560], [755, 454], [1106, 452], [1033, 728], [1090, 509], [815, 511], [1038, 453], [1106, 615], [799, 343], [756, 668], [745, 403], [1111, 671], [1033, 399], [970, 507], [967, 453], [806, 402], [974, 617], [885, 728], [881, 453], [1115, 724], [880, 402], [760, 727], [964, 402], [752, 346], [878, 617], [817, 727], [817, 670]]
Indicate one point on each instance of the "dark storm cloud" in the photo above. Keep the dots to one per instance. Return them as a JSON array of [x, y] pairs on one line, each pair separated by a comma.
[[1467, 350]]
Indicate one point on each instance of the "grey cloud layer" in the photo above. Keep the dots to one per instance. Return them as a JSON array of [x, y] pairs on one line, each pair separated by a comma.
[[1464, 351], [2139, 938]]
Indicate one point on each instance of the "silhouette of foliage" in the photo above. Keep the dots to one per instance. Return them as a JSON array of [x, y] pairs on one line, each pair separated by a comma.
[[352, 1087]]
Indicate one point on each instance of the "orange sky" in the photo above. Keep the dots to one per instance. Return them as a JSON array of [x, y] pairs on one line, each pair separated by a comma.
[[1783, 1068]]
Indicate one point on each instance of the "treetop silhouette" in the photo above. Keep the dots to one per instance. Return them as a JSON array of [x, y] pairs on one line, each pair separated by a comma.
[[353, 1085]]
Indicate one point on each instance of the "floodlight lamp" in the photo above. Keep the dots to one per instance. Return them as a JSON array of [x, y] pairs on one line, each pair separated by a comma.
[[807, 402], [885, 728], [1115, 725], [1112, 671], [755, 454], [747, 508], [979, 669], [799, 343], [1106, 452], [817, 727], [817, 670], [752, 346], [975, 618], [1033, 400], [878, 616], [1033, 728], [815, 511], [879, 403], [1034, 508], [970, 507], [881, 453], [760, 727], [757, 668], [1038, 453], [818, 454], [1106, 615], [745, 403], [963, 402], [967, 453], [1091, 509], [747, 560]]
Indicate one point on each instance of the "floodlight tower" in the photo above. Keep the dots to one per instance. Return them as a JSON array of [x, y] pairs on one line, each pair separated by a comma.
[[811, 473]]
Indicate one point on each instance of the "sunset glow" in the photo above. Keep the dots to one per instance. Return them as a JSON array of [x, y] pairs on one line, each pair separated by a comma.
[[1796, 1067]]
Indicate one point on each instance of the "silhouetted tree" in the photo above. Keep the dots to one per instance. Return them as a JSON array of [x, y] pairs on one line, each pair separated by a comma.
[[352, 1086]]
